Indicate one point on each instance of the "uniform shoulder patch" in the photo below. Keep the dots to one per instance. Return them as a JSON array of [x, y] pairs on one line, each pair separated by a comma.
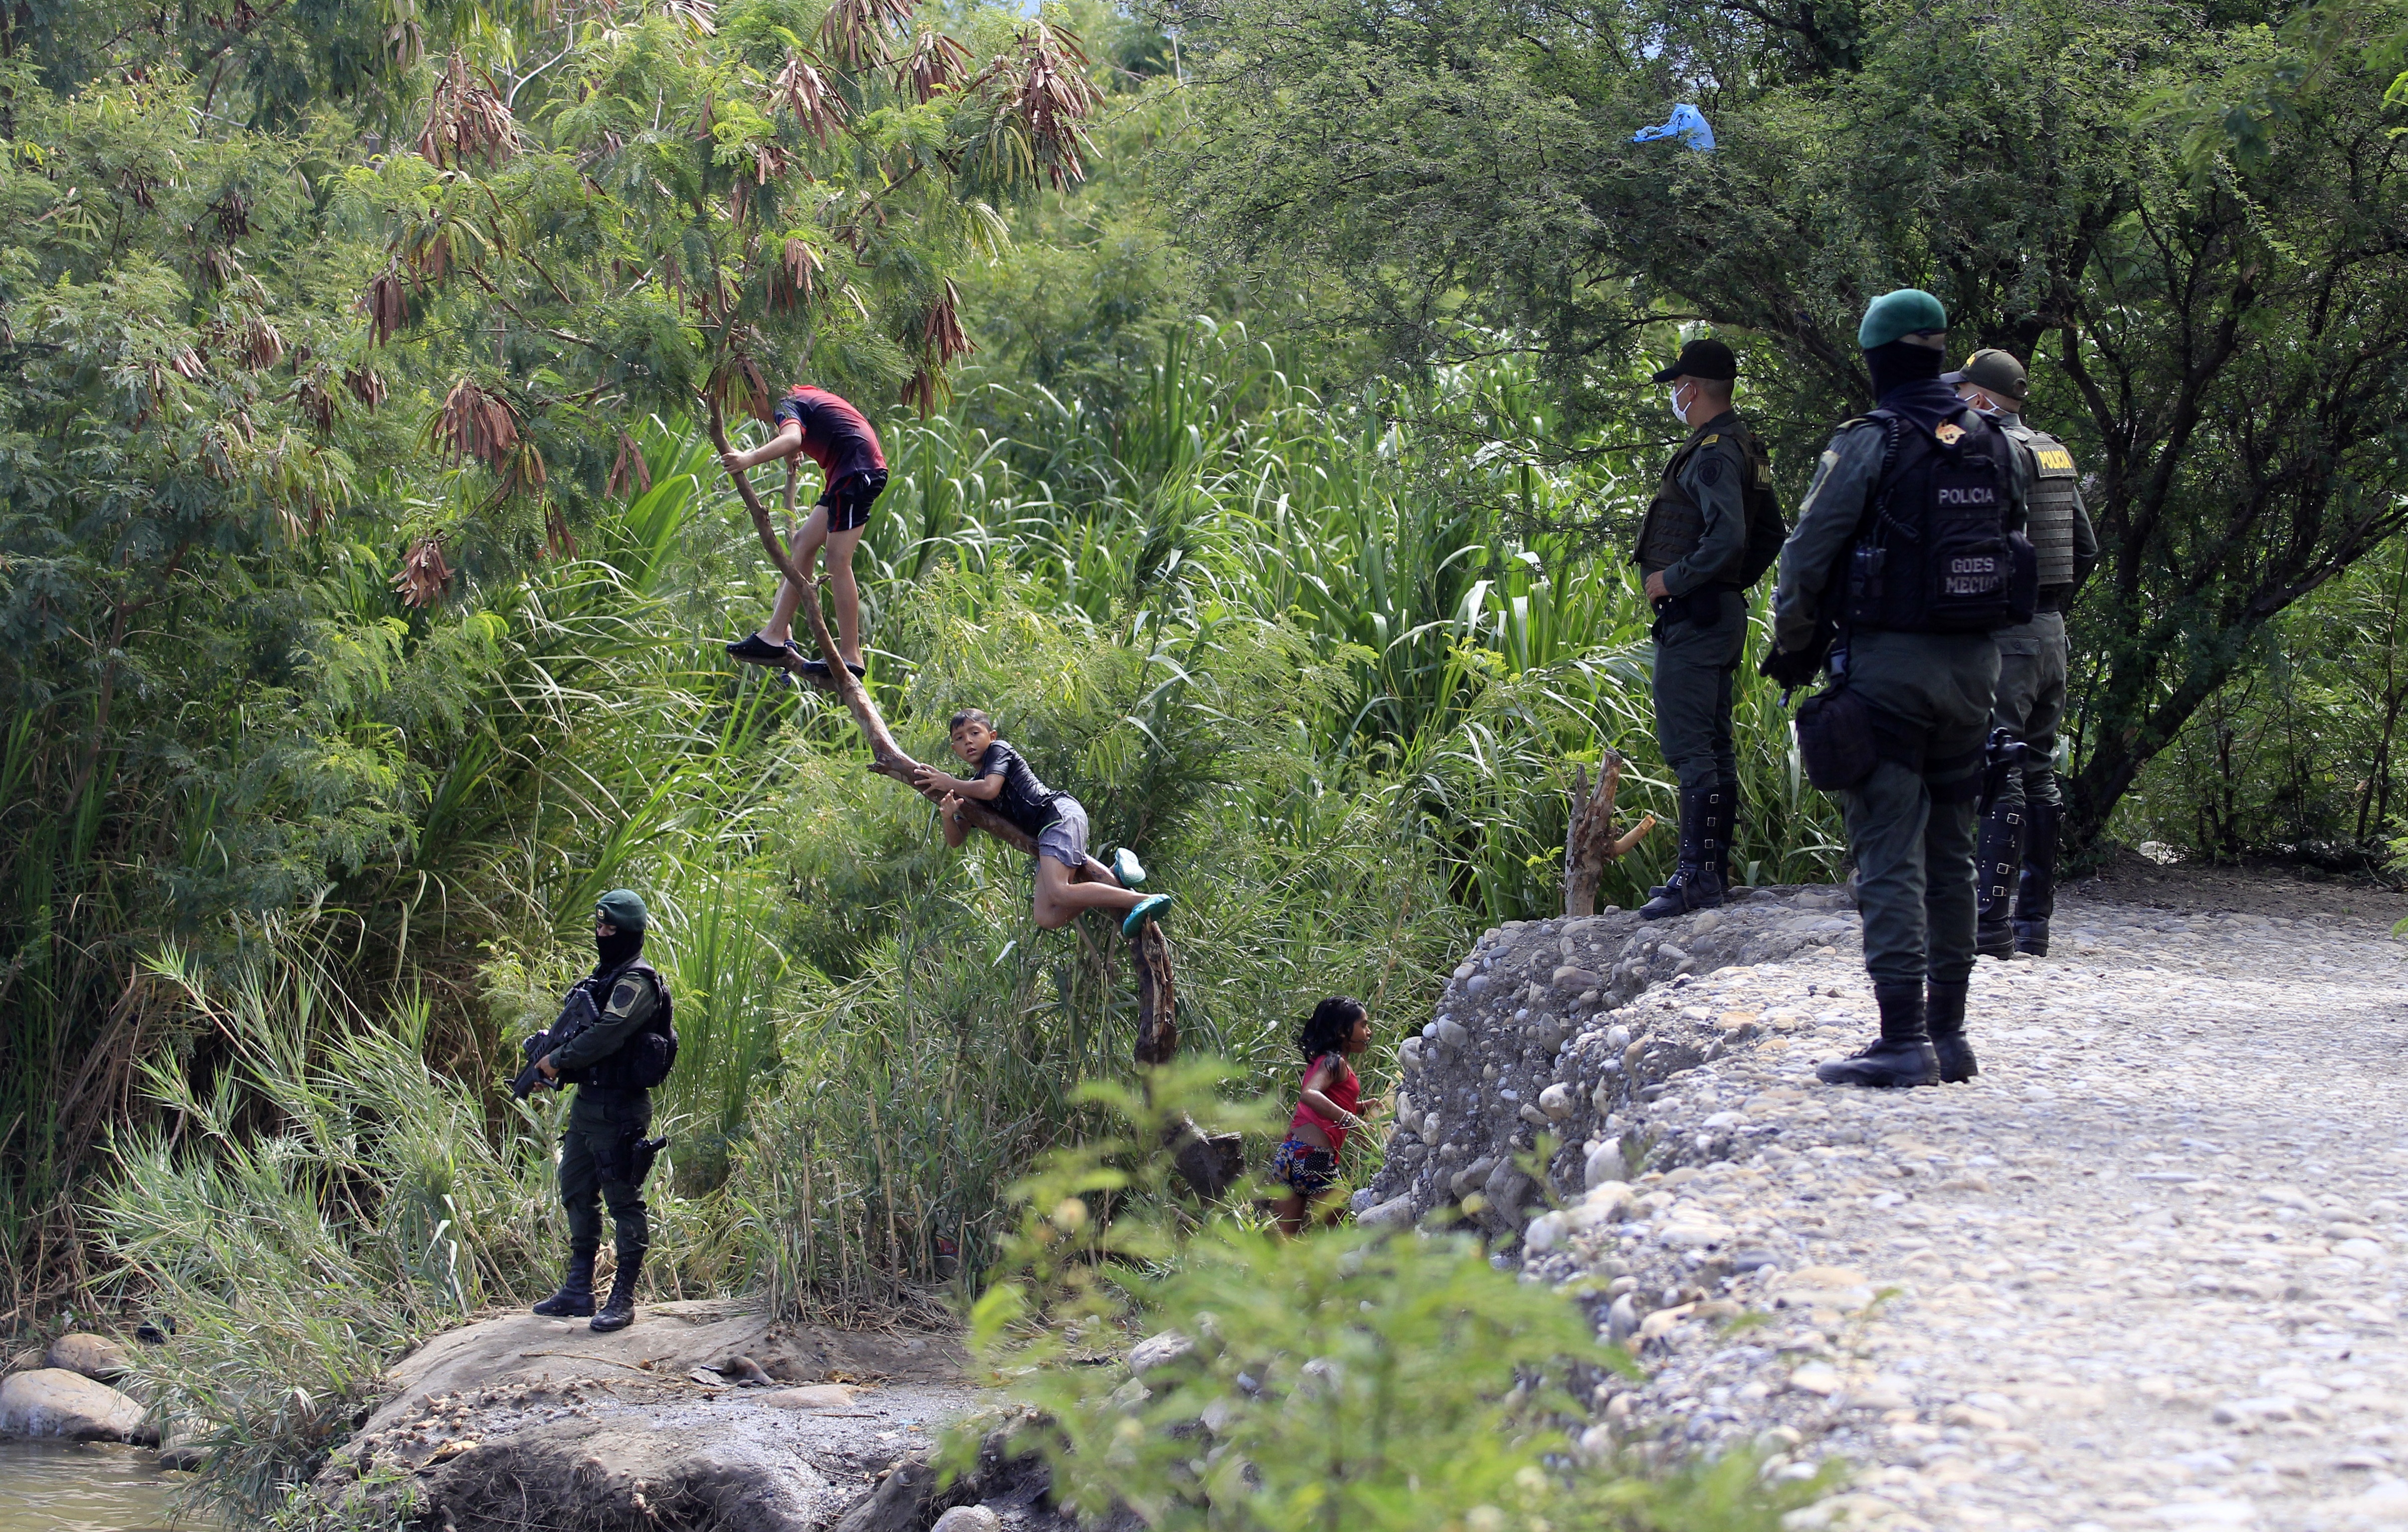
[[1710, 438], [623, 998], [1710, 471], [2056, 459]]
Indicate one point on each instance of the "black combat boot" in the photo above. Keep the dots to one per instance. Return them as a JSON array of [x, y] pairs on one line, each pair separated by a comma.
[[2036, 890], [619, 1311], [1903, 1056], [2002, 851], [1697, 884], [575, 1298], [1943, 1015]]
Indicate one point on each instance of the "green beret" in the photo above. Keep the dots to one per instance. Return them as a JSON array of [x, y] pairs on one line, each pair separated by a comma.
[[622, 907], [1893, 316]]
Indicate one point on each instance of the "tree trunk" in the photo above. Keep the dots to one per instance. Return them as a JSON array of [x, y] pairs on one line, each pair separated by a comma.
[[1589, 841]]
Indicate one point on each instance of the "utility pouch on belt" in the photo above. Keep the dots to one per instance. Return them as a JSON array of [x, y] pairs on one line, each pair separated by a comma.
[[1836, 742]]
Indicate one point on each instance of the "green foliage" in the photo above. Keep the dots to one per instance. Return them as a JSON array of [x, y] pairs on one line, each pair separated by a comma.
[[2301, 753], [1347, 1380]]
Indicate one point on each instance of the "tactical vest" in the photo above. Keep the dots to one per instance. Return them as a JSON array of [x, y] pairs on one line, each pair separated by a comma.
[[1933, 552], [644, 1060], [1675, 523], [2051, 504]]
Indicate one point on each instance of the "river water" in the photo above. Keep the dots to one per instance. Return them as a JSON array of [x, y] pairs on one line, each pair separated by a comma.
[[57, 1487]]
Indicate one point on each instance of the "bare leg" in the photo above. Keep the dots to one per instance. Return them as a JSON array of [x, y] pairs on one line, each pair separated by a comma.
[[804, 547], [1059, 901], [847, 592], [1095, 872], [1288, 1213]]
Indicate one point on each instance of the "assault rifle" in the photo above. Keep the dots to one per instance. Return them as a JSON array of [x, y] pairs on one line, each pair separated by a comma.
[[575, 1017]]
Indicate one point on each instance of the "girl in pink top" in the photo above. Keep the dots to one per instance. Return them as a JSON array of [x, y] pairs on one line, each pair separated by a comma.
[[1306, 1160]]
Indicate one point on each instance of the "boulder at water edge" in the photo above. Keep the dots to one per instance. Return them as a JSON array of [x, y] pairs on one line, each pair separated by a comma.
[[54, 1403], [95, 1356]]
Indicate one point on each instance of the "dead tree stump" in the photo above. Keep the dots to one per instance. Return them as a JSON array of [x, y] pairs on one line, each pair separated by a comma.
[[1589, 842]]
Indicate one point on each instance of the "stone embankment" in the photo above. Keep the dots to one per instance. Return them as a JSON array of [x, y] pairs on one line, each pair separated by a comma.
[[2143, 1272], [702, 1414]]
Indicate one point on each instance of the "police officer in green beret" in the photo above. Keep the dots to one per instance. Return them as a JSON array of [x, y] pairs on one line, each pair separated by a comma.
[[1901, 568], [604, 1156], [1692, 546], [2018, 856]]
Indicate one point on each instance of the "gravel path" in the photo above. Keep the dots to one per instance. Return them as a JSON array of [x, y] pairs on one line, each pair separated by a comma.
[[2146, 1271]]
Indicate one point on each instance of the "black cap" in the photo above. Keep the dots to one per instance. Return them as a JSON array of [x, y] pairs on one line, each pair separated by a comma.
[[1709, 359]]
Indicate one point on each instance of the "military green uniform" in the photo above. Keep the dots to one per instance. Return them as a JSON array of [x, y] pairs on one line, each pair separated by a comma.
[[2019, 834], [1914, 855], [604, 1126], [1695, 535]]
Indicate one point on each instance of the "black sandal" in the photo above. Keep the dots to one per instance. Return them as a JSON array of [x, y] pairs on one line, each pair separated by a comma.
[[754, 649]]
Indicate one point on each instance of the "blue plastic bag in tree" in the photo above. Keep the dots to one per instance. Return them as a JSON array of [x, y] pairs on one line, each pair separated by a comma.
[[1688, 124]]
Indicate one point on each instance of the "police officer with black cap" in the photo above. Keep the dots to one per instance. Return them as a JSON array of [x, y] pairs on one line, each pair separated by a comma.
[[1901, 570], [1692, 550], [2018, 856], [604, 1156]]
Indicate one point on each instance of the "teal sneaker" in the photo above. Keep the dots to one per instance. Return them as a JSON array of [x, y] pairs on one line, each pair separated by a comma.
[[1127, 869], [1147, 909]]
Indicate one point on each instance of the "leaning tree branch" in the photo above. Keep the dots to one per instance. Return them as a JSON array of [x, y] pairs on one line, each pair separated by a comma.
[[886, 757]]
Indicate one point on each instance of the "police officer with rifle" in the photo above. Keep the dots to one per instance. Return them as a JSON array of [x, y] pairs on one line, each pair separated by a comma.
[[615, 1041], [2018, 890], [1907, 558]]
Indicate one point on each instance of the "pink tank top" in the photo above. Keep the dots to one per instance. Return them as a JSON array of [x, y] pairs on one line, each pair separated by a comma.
[[1344, 1093]]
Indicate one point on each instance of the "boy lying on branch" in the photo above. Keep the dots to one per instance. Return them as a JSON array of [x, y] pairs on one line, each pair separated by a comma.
[[1001, 779]]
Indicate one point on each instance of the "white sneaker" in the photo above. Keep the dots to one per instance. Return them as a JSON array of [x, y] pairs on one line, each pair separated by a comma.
[[1127, 869]]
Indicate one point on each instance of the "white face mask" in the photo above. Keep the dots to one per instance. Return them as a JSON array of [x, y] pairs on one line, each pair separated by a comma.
[[1677, 413]]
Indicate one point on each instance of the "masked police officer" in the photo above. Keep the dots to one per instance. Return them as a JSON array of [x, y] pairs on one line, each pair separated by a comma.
[[1692, 550], [604, 1156], [2018, 856], [1901, 565]]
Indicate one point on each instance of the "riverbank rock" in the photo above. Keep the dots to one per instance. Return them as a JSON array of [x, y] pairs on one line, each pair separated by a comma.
[[95, 1356], [54, 1404], [522, 1421]]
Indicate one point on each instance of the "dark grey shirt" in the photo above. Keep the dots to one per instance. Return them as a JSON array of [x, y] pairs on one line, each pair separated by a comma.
[[632, 1002], [1712, 477], [1828, 521]]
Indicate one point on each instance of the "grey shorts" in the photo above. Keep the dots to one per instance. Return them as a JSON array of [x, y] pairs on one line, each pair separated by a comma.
[[1065, 839]]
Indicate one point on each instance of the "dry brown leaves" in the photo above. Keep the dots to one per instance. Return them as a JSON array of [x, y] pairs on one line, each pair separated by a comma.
[[367, 385], [630, 467], [387, 305], [935, 63], [802, 90], [1052, 96], [794, 274], [474, 423], [739, 389], [854, 32], [464, 118], [942, 334], [423, 575]]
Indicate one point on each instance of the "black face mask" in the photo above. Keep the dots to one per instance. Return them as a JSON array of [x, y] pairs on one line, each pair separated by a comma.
[[1906, 379], [618, 950]]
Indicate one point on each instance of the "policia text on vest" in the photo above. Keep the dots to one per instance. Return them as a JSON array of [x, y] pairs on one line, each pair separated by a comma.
[[1908, 558], [2021, 811], [1711, 531]]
